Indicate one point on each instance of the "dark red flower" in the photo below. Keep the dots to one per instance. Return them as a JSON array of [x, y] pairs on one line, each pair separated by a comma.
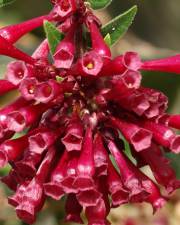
[[77, 113]]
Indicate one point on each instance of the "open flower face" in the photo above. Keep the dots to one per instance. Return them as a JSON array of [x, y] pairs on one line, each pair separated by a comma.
[[78, 111]]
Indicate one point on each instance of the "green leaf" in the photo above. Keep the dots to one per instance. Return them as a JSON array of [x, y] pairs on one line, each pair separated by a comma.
[[117, 27], [107, 39], [114, 162], [175, 162], [99, 4], [4, 171], [59, 79], [6, 2], [53, 35], [127, 148]]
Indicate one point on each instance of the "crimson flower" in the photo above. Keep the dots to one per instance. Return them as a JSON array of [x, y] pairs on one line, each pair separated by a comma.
[[75, 112]]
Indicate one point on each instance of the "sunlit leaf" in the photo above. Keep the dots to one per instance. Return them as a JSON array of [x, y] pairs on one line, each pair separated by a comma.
[[99, 4], [107, 39], [127, 148], [117, 27], [53, 35]]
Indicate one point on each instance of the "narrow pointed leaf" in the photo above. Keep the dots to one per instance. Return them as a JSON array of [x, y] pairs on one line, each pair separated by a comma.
[[99, 4], [107, 39], [127, 148], [6, 2], [53, 35], [117, 27], [114, 162]]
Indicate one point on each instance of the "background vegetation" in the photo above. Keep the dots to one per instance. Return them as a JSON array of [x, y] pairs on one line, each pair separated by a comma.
[[155, 33]]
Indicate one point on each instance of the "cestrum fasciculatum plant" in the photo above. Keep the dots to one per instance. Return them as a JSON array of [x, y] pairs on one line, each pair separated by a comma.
[[78, 110]]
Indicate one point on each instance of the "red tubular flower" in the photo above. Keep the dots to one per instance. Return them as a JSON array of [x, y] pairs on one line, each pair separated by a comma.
[[11, 150], [6, 86], [4, 131], [118, 193], [122, 63], [128, 61], [26, 167], [164, 136], [43, 140], [174, 121], [25, 117], [73, 209], [169, 120], [151, 192], [88, 194], [12, 180], [71, 111], [130, 177], [114, 66], [154, 198], [28, 87], [17, 71], [132, 61], [67, 24], [89, 197], [90, 64], [126, 82], [16, 199], [42, 51], [169, 64], [64, 8], [98, 43], [73, 137], [33, 198], [137, 136], [123, 86], [8, 49], [85, 167], [13, 32], [123, 91], [142, 101], [53, 188], [161, 169], [64, 54], [157, 102], [97, 215], [100, 157], [5, 134], [135, 102], [48, 91], [70, 174]]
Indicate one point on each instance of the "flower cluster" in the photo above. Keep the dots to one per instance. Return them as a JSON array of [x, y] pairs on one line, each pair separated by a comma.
[[75, 111]]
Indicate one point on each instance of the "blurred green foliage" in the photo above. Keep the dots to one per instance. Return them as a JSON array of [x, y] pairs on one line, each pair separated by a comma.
[[157, 22]]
